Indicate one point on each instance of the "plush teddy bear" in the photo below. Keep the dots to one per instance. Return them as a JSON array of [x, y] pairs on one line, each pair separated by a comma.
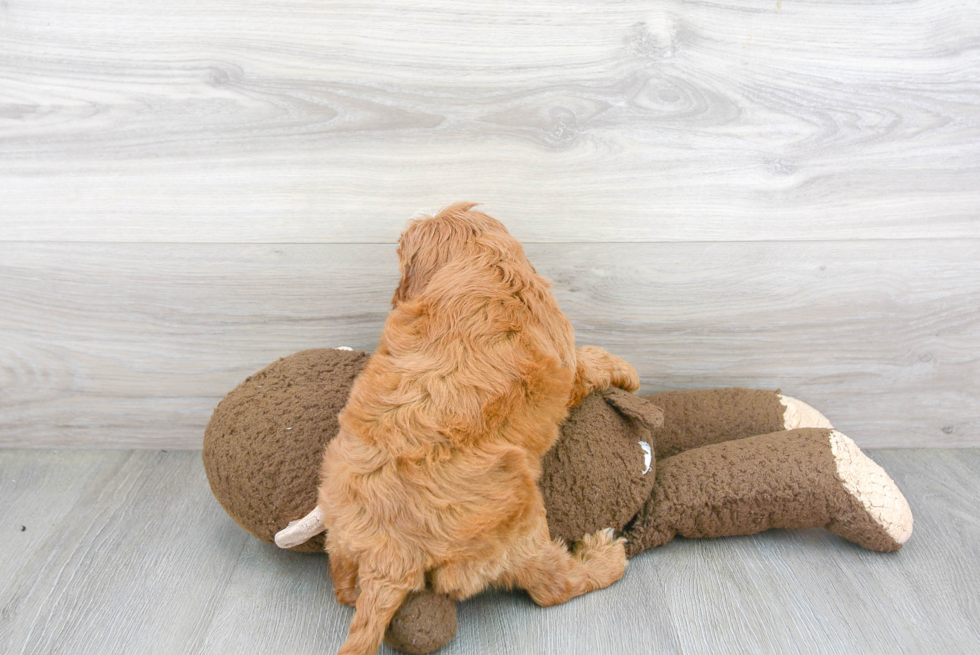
[[708, 463]]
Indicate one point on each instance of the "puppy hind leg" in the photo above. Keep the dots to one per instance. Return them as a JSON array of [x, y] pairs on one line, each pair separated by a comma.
[[552, 575], [343, 571], [461, 580], [381, 595]]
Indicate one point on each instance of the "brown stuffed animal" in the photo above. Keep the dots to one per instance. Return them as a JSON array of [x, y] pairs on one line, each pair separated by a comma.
[[710, 463]]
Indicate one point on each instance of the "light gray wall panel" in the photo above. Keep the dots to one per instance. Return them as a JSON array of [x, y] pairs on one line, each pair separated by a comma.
[[330, 122], [134, 344]]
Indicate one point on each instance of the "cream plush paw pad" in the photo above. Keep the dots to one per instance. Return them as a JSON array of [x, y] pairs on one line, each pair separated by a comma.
[[800, 415], [867, 482], [302, 530]]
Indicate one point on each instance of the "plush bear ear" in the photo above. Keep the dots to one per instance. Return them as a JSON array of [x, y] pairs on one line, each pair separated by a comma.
[[633, 406]]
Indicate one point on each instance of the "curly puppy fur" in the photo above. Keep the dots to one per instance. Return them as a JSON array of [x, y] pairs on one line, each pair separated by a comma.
[[431, 478]]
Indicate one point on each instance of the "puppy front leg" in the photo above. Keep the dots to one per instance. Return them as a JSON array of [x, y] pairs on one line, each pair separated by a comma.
[[597, 369]]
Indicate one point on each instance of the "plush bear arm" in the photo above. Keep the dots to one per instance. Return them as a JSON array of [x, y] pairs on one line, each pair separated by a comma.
[[706, 416], [803, 478]]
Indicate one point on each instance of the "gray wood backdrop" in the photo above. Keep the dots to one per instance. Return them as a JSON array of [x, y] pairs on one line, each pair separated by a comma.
[[756, 193]]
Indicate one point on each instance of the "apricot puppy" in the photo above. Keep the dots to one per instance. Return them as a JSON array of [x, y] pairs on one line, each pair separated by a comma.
[[432, 475]]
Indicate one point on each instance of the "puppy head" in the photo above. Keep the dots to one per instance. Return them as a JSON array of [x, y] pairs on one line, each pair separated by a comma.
[[431, 242]]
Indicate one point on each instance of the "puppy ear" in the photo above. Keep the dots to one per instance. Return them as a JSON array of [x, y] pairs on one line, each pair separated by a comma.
[[401, 293], [409, 247], [424, 247], [430, 242]]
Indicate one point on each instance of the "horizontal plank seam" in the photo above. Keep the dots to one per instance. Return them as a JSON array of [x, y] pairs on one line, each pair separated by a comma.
[[109, 448], [961, 239]]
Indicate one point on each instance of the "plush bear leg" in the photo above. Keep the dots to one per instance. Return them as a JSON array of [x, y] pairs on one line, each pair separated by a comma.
[[878, 516], [804, 478], [706, 416]]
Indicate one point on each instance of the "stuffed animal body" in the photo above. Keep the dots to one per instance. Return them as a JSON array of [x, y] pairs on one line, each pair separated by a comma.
[[709, 463]]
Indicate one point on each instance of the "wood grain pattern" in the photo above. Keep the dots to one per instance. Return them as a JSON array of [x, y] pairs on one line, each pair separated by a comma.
[[330, 122], [764, 193], [133, 555], [39, 494], [134, 344]]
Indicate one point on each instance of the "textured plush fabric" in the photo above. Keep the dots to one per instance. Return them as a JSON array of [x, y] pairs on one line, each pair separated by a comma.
[[709, 477], [264, 444], [786, 479], [595, 476], [425, 622], [705, 416]]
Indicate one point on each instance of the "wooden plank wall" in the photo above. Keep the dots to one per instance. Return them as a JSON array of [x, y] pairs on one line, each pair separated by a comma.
[[756, 193]]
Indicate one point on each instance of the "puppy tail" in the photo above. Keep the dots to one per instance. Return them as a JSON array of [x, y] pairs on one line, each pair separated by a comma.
[[301, 531], [381, 596]]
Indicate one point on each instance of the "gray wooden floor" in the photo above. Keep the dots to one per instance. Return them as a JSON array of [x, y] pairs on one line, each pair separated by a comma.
[[127, 552]]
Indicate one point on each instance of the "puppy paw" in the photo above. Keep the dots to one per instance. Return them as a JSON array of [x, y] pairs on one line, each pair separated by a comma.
[[346, 596], [603, 555], [622, 375]]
